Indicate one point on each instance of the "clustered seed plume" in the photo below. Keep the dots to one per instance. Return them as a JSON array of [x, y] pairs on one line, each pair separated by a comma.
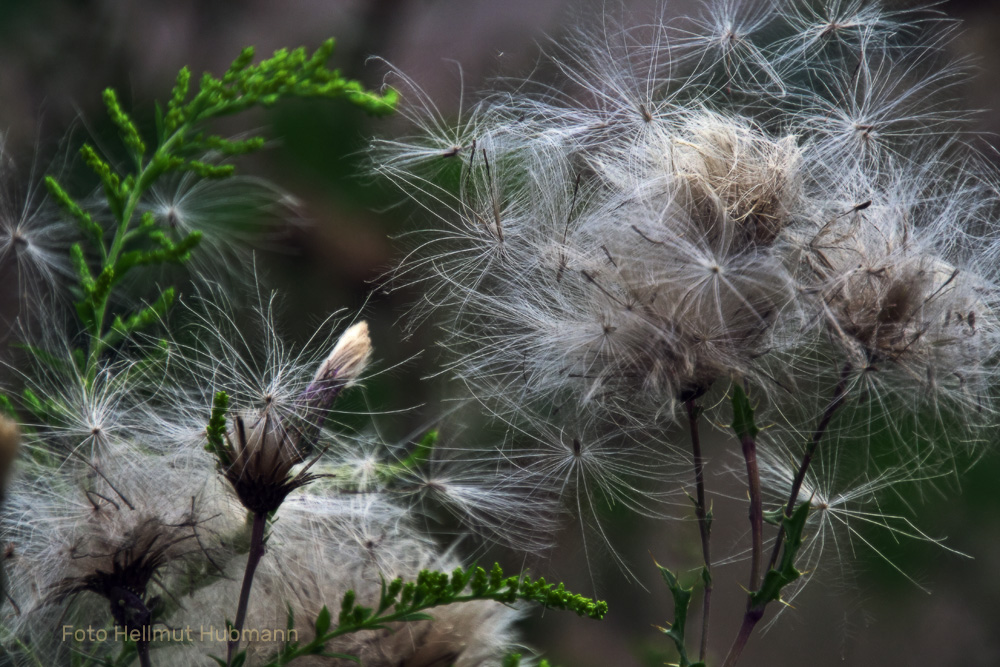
[[777, 194], [33, 237], [773, 195], [123, 513]]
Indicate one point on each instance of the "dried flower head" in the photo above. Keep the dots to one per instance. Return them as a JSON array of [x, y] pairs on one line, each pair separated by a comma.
[[258, 461], [81, 546], [905, 306], [34, 237], [261, 448]]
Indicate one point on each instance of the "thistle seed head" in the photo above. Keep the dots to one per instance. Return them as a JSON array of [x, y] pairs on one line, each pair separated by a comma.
[[258, 461]]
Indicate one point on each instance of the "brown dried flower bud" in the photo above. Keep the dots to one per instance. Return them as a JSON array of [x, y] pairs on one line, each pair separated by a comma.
[[342, 368]]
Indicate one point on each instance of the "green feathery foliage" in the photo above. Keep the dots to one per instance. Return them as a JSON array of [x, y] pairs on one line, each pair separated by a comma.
[[408, 602], [180, 144], [216, 429]]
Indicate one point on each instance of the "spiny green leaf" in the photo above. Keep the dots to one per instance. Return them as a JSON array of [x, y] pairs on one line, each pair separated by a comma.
[[422, 452], [774, 517], [682, 601], [776, 579]]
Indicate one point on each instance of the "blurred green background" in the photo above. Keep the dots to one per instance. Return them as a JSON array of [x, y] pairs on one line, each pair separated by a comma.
[[56, 56]]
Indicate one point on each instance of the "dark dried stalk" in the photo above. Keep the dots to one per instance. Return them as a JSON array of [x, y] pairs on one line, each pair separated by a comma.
[[128, 607], [750, 620], [755, 612], [749, 445], [704, 524], [253, 559]]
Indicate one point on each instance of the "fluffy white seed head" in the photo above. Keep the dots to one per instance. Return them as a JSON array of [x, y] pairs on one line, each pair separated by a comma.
[[34, 237], [233, 214], [843, 490], [73, 540], [775, 193]]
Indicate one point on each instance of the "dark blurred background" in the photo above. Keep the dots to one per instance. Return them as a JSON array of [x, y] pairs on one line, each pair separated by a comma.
[[56, 56]]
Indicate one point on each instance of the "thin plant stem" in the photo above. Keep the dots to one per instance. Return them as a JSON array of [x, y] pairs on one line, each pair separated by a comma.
[[749, 445], [704, 523], [750, 619], [839, 396], [754, 613], [253, 559]]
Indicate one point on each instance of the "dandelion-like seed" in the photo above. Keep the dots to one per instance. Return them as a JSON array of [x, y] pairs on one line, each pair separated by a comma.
[[33, 238], [233, 215], [844, 508]]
